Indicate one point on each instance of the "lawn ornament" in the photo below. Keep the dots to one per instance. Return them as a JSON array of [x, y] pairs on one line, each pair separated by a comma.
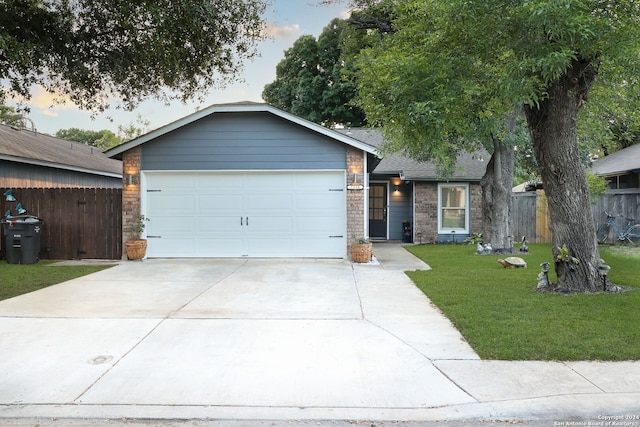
[[524, 247], [9, 196], [512, 262], [484, 249], [543, 276], [20, 209]]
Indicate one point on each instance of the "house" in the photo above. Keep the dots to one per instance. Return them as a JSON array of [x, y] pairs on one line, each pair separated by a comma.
[[29, 159], [402, 189], [621, 168], [250, 180]]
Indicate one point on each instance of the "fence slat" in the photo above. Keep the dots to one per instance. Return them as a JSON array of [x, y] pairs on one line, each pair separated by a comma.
[[78, 222]]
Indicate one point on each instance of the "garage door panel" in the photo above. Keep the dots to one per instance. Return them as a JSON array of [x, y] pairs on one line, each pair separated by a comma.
[[220, 225], [270, 226], [171, 247], [206, 247], [219, 202], [289, 213], [327, 203], [172, 225], [174, 202], [268, 202], [316, 225]]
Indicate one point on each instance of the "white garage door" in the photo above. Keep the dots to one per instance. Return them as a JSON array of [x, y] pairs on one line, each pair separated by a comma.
[[245, 214]]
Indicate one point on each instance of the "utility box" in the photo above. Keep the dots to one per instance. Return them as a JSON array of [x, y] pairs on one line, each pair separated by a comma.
[[22, 238]]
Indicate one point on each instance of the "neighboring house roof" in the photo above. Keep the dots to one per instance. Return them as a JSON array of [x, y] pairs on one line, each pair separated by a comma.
[[621, 162], [470, 167], [238, 108], [27, 146]]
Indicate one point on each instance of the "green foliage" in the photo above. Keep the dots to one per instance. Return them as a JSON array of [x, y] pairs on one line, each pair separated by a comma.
[[94, 51], [499, 313], [138, 226], [133, 129], [18, 279], [102, 139], [597, 186], [312, 81], [443, 79], [9, 116]]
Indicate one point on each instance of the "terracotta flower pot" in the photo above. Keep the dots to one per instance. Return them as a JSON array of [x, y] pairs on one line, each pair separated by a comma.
[[136, 248], [361, 252]]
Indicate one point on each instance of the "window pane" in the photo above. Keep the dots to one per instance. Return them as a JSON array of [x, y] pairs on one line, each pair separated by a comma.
[[453, 207], [453, 218], [453, 197]]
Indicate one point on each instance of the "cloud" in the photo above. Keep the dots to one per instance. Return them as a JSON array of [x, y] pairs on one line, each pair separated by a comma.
[[45, 100], [279, 32]]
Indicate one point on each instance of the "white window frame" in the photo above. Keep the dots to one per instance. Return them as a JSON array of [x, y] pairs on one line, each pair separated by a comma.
[[465, 230]]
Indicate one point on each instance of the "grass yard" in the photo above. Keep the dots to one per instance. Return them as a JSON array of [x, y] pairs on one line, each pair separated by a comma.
[[18, 279], [502, 317]]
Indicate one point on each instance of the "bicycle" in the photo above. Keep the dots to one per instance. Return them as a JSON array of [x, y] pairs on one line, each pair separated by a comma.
[[631, 232]]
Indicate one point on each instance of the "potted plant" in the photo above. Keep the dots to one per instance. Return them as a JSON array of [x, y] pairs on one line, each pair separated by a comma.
[[137, 247], [362, 250]]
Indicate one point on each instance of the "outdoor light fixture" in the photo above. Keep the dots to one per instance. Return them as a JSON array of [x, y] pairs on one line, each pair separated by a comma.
[[132, 179], [355, 185]]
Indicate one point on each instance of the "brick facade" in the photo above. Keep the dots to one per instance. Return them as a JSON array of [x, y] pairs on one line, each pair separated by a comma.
[[130, 192], [355, 198], [426, 211]]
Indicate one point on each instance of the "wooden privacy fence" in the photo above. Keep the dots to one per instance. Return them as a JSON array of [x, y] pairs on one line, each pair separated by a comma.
[[78, 222], [531, 218]]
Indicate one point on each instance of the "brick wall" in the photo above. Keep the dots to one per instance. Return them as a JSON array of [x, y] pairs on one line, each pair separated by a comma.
[[130, 192], [426, 211], [476, 208], [355, 198], [426, 220]]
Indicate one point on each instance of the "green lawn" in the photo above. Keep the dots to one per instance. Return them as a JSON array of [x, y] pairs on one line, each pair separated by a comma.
[[18, 279], [502, 317]]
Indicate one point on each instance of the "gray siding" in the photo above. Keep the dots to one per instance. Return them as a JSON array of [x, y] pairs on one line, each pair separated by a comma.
[[400, 209], [243, 141], [22, 175]]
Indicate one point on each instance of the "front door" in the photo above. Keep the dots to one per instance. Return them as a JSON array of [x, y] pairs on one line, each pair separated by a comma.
[[378, 211]]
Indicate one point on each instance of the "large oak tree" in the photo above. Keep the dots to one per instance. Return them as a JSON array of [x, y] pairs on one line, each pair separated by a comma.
[[312, 81], [95, 52], [467, 63]]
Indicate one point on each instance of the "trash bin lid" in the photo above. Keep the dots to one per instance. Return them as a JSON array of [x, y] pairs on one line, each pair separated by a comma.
[[21, 219]]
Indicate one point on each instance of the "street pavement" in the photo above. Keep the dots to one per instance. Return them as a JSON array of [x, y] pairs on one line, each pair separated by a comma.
[[234, 342]]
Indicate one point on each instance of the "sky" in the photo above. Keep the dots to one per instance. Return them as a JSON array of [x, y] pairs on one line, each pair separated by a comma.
[[287, 20]]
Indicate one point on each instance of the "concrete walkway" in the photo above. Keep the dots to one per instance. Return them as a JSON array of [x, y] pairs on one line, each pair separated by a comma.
[[258, 339]]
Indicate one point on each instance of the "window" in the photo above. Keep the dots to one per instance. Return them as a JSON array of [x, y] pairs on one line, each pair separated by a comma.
[[453, 208]]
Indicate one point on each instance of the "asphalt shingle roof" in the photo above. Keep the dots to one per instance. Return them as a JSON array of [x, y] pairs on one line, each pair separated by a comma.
[[26, 146], [470, 166], [620, 162]]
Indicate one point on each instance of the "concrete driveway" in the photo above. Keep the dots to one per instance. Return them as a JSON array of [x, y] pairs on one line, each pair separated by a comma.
[[273, 339]]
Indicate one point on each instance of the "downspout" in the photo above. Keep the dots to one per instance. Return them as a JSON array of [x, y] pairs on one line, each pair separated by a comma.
[[365, 204]]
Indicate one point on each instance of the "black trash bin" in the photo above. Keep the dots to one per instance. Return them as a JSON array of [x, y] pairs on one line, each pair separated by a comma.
[[22, 238]]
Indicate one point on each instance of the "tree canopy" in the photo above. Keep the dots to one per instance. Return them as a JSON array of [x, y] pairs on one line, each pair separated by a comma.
[[102, 139], [94, 52], [451, 70], [312, 81]]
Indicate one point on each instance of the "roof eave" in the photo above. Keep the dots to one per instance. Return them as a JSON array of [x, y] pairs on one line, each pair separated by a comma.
[[59, 166]]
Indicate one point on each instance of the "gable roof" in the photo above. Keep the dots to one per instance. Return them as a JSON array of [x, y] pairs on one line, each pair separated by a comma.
[[26, 146], [470, 166], [240, 107], [621, 162]]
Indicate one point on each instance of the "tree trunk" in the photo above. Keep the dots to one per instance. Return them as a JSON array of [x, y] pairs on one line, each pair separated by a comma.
[[553, 125], [496, 183]]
